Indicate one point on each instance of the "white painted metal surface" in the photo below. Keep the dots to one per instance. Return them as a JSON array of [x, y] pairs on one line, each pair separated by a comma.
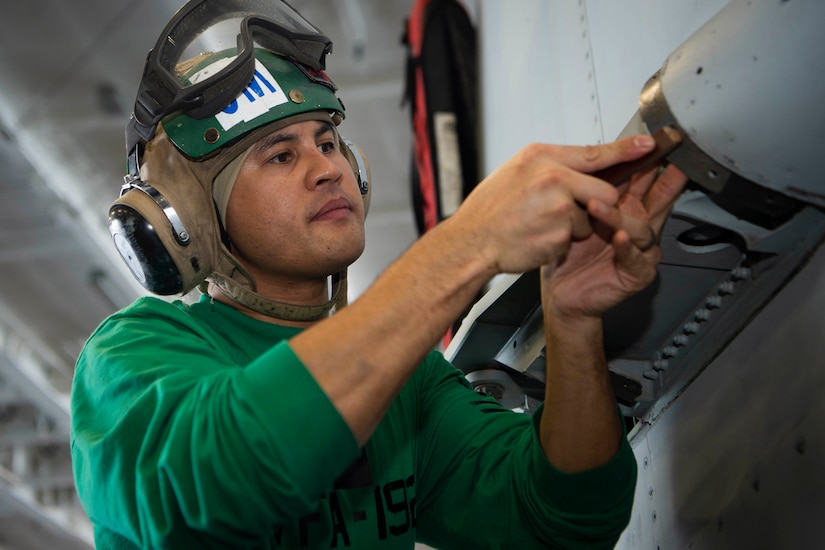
[[730, 458], [571, 71]]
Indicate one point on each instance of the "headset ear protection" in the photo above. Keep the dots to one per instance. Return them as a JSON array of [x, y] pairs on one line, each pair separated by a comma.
[[168, 233], [358, 162], [154, 226]]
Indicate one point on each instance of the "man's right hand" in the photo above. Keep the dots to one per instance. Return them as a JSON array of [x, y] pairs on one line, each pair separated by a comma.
[[527, 212]]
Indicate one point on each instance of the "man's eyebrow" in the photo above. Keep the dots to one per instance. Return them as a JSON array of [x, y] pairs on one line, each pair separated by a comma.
[[274, 139], [323, 128]]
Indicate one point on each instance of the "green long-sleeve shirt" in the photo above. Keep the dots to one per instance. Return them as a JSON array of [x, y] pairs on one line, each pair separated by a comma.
[[195, 426]]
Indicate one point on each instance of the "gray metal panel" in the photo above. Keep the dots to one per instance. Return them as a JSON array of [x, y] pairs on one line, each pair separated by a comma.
[[735, 461]]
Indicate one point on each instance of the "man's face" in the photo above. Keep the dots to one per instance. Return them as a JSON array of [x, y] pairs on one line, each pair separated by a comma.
[[295, 212]]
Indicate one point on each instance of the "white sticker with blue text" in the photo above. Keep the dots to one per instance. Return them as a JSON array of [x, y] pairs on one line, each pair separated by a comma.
[[260, 96]]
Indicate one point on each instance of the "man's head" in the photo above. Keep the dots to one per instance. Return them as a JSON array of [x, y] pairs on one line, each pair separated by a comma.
[[179, 221]]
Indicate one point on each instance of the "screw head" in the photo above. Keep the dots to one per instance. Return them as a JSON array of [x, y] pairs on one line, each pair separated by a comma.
[[211, 135]]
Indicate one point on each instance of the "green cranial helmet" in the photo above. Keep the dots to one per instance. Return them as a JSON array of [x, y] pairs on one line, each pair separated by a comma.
[[278, 89], [181, 154]]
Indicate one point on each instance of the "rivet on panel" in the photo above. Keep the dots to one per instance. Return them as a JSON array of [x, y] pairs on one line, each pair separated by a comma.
[[296, 96]]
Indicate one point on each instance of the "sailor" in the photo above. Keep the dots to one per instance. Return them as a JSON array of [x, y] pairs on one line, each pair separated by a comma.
[[268, 413]]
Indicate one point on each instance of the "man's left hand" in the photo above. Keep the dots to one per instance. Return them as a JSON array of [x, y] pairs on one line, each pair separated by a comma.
[[620, 257]]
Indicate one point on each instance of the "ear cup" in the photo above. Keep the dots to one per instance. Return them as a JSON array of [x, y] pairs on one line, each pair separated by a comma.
[[143, 251], [132, 222], [151, 235], [358, 161]]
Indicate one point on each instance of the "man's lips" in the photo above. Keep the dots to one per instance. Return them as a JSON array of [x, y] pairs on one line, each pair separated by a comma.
[[334, 209]]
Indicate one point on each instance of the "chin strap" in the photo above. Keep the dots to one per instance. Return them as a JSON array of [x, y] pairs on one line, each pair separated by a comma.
[[281, 310]]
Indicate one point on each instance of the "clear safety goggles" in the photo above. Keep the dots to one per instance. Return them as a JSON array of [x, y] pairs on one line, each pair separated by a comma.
[[218, 25]]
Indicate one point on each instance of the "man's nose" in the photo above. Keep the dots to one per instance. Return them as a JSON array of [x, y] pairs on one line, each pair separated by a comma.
[[322, 169]]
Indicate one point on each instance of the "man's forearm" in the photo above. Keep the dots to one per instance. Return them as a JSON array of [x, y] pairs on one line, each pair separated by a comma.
[[580, 428], [363, 355]]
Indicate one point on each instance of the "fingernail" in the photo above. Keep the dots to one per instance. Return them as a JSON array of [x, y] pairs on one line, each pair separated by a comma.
[[643, 142]]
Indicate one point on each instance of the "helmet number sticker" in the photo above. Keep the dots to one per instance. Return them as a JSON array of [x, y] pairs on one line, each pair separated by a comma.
[[259, 97]]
